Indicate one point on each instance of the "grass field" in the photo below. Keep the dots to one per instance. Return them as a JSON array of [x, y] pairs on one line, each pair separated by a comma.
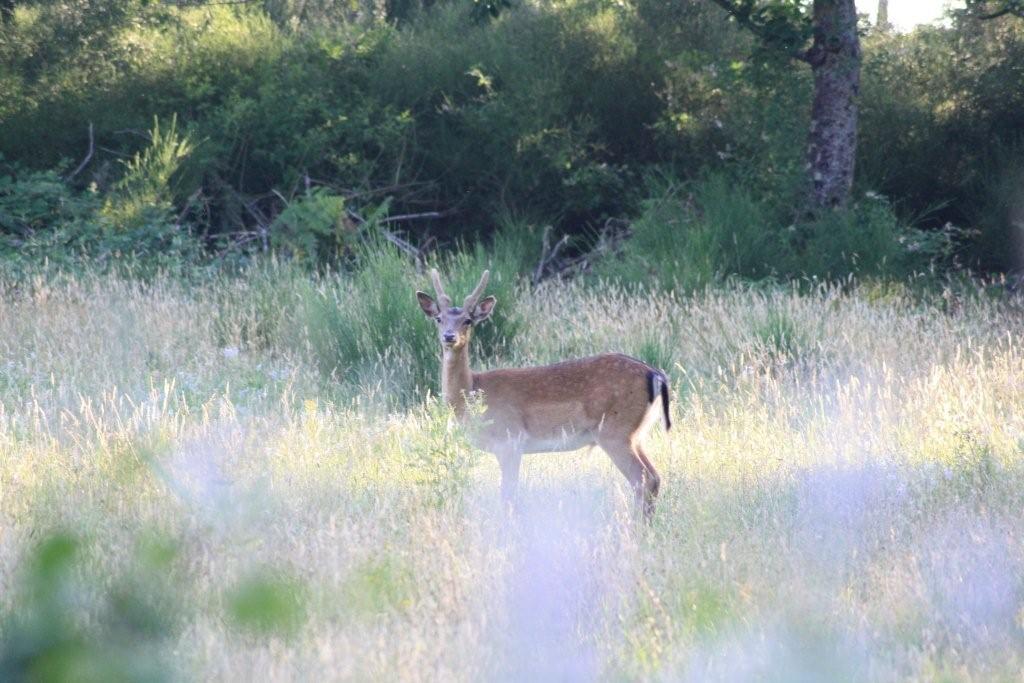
[[191, 489]]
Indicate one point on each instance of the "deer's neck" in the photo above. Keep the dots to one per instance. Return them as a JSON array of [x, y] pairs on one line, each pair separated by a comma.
[[456, 378]]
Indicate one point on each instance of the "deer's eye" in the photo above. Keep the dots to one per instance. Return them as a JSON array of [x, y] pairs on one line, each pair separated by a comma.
[[467, 322], [437, 318]]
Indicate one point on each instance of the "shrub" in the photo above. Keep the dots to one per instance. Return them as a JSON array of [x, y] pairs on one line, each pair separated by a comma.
[[133, 616], [44, 219], [698, 233], [289, 113]]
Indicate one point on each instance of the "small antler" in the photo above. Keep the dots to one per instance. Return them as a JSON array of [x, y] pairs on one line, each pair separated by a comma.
[[442, 298], [471, 300]]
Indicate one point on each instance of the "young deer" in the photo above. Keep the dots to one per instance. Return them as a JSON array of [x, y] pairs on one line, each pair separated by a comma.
[[607, 400]]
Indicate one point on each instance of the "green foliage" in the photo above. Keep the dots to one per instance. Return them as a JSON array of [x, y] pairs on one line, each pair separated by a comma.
[[784, 25], [701, 232], [440, 460], [364, 325], [992, 9], [690, 239], [133, 614], [942, 112], [366, 321], [280, 118], [489, 9], [482, 123], [999, 211], [313, 228], [45, 220], [379, 585], [145, 190], [31, 202], [266, 603]]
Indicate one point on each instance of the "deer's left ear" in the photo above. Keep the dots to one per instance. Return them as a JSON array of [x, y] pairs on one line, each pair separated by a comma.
[[484, 309], [428, 305]]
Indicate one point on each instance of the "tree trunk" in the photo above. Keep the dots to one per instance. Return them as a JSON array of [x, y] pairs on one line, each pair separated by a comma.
[[882, 19], [835, 60], [6, 11]]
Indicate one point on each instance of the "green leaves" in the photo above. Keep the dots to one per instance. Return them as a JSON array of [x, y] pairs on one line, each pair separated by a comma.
[[146, 183], [45, 637], [484, 10], [992, 9], [266, 603], [311, 227], [784, 26]]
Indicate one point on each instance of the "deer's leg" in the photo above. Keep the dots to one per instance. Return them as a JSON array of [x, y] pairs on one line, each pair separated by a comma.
[[635, 466], [652, 480], [509, 461]]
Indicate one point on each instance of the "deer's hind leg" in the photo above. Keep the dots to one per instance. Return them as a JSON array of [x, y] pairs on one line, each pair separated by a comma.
[[634, 465]]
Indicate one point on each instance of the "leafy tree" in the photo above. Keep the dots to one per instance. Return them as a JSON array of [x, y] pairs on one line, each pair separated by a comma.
[[822, 34], [993, 9]]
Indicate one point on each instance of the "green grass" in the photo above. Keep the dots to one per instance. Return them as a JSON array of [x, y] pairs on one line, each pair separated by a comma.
[[216, 481]]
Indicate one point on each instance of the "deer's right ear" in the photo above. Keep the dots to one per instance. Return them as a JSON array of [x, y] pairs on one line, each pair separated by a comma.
[[428, 305]]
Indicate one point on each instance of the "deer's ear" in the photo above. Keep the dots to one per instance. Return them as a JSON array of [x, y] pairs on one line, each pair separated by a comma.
[[428, 305], [484, 309]]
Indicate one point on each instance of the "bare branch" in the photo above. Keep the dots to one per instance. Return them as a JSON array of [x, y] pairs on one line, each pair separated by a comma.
[[88, 155], [548, 254], [403, 245], [413, 216]]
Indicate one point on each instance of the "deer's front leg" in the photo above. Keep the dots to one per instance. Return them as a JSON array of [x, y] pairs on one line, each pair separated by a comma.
[[509, 460]]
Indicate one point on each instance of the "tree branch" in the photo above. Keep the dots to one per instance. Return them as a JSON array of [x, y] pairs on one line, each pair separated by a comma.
[[88, 155], [979, 9]]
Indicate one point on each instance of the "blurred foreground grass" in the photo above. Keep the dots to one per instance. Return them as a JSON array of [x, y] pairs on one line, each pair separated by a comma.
[[214, 482]]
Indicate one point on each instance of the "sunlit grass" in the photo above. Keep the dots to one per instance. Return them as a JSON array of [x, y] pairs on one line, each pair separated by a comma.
[[842, 490]]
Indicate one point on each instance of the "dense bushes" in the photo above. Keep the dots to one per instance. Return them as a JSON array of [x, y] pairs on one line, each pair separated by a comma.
[[44, 218], [300, 123], [942, 118], [504, 117], [698, 233]]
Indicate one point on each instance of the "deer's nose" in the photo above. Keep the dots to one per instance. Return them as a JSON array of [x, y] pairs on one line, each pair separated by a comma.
[[449, 337]]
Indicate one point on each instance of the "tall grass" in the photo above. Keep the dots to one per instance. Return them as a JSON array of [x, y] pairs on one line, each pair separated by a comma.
[[214, 481]]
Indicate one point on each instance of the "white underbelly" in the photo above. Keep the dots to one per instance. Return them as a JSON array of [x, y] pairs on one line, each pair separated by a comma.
[[574, 433], [569, 441]]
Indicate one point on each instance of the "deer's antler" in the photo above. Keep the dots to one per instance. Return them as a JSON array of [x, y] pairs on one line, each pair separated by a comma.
[[471, 300], [442, 298]]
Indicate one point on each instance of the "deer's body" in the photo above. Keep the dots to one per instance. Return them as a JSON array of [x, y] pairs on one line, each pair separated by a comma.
[[610, 400]]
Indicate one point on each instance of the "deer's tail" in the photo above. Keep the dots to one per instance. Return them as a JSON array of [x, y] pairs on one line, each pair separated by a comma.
[[657, 383]]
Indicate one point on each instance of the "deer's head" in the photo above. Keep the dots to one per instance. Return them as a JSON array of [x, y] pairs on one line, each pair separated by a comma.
[[454, 323]]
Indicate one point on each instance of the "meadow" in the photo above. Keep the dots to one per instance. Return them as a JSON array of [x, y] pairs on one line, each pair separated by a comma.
[[247, 478]]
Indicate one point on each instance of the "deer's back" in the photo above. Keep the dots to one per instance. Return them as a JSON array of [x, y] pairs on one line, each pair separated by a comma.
[[568, 402]]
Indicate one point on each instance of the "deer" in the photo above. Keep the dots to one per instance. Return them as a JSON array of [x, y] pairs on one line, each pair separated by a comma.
[[608, 400]]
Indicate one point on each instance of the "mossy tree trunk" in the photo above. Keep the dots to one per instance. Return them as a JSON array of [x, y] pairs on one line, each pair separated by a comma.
[[830, 29], [835, 59]]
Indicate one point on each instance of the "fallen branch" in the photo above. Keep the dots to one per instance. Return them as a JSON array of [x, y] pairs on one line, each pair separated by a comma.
[[403, 245], [188, 205], [88, 155], [414, 216], [609, 243], [548, 254]]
